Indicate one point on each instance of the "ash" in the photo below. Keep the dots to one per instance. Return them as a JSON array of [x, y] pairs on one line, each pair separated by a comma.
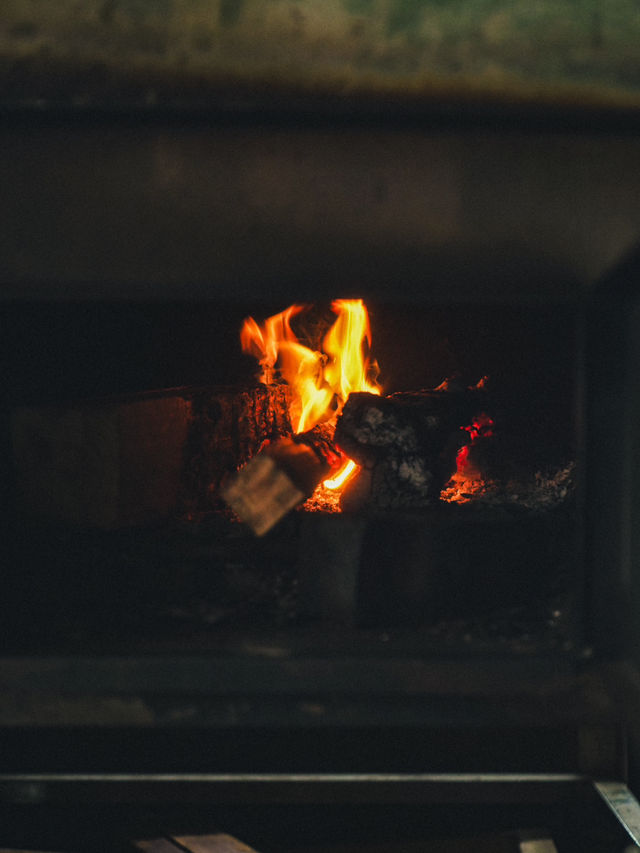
[[541, 624], [540, 491]]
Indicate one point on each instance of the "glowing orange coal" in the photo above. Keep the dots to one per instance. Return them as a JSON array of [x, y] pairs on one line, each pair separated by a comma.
[[467, 481], [320, 381]]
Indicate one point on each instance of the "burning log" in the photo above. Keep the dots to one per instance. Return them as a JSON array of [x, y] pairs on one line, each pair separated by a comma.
[[226, 429], [406, 444], [287, 472], [281, 477]]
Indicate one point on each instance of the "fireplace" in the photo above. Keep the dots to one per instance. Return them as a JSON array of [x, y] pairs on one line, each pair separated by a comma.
[[464, 664], [495, 550]]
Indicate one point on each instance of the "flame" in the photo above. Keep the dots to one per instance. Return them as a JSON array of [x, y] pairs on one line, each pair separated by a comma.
[[348, 469], [347, 370], [320, 381]]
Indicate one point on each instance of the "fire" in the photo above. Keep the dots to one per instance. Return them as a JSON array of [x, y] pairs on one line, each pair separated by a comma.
[[481, 426], [466, 480], [320, 381], [342, 476]]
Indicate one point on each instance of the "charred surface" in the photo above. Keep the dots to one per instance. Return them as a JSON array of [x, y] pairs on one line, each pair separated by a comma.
[[281, 476], [406, 444], [226, 429]]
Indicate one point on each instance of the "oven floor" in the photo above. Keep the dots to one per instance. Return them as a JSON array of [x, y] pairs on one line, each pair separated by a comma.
[[207, 586]]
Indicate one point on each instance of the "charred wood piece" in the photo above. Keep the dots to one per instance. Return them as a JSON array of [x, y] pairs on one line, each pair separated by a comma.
[[282, 476], [226, 429], [406, 444]]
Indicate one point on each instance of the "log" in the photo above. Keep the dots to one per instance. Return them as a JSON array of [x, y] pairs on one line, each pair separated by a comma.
[[227, 428], [106, 463], [119, 462], [406, 444], [282, 476]]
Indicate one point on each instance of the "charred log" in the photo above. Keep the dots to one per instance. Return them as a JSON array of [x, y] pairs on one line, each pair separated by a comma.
[[406, 444], [226, 429]]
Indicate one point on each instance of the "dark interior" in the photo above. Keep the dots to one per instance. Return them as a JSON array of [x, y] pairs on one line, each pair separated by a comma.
[[205, 579]]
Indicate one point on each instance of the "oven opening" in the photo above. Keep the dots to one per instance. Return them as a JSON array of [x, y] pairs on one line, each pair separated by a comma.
[[139, 433]]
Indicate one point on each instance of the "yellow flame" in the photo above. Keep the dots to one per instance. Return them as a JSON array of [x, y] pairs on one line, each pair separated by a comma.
[[336, 482], [320, 381], [347, 370]]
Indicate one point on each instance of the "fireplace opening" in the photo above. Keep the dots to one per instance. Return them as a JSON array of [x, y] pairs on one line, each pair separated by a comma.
[[125, 421]]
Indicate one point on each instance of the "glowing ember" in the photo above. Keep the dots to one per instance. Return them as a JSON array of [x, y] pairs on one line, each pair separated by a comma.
[[467, 481], [482, 425], [320, 382]]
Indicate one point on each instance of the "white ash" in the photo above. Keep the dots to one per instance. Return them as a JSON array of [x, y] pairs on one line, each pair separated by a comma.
[[377, 429], [414, 473], [543, 490]]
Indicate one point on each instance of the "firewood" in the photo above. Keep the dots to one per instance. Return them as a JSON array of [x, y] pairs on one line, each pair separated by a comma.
[[117, 462], [226, 429], [406, 444], [281, 477]]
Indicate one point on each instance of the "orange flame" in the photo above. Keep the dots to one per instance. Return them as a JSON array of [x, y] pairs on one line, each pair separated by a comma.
[[320, 381], [348, 469]]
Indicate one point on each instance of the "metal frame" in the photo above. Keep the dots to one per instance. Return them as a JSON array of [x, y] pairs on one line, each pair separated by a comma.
[[32, 788]]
